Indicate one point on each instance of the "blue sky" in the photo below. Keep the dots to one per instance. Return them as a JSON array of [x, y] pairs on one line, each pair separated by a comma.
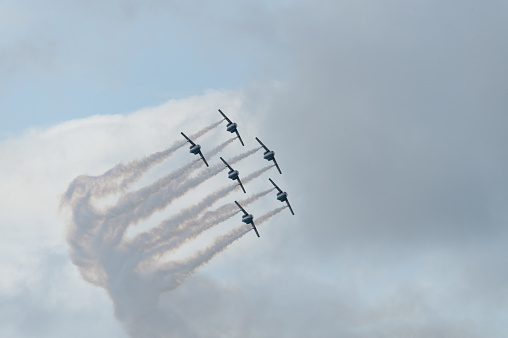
[[70, 60]]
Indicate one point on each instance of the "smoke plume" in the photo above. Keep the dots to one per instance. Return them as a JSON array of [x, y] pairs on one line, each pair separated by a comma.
[[132, 270]]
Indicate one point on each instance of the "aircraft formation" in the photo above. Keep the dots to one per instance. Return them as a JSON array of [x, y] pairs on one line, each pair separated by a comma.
[[233, 174]]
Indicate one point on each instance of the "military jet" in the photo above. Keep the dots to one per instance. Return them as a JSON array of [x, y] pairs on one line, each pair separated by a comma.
[[233, 174], [282, 196], [269, 155], [231, 126], [248, 218], [195, 148]]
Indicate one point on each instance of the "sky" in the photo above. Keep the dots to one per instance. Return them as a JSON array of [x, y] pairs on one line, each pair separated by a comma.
[[388, 120]]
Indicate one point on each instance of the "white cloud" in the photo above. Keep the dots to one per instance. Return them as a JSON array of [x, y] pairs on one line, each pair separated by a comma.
[[39, 283]]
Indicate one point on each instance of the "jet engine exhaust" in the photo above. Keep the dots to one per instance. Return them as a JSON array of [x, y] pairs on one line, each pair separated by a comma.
[[131, 269]]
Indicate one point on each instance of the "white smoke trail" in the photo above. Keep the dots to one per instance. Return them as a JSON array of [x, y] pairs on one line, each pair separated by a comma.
[[132, 271], [242, 156], [143, 203], [176, 231], [121, 176], [176, 224], [205, 130], [84, 251], [186, 185], [163, 183], [219, 148], [268, 215], [177, 273], [167, 228]]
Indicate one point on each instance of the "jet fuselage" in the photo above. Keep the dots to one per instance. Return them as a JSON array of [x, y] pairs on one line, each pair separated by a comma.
[[231, 127], [247, 218], [269, 155], [195, 149], [282, 196], [233, 174]]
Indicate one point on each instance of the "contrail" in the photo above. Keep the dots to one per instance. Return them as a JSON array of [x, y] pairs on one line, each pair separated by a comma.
[[242, 156], [163, 183], [174, 232], [121, 176], [191, 213], [84, 186], [205, 174], [144, 202], [219, 148], [269, 215], [177, 273], [132, 271]]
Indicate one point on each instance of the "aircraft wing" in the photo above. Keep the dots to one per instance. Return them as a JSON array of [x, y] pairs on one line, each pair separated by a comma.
[[262, 144], [275, 185], [201, 154], [225, 117], [237, 133], [245, 212], [254, 227], [289, 206], [188, 139], [226, 163], [274, 161], [241, 185]]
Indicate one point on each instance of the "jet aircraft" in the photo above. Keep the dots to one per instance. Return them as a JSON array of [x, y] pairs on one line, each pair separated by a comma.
[[231, 126], [269, 155], [233, 174], [195, 148], [248, 218], [282, 196]]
